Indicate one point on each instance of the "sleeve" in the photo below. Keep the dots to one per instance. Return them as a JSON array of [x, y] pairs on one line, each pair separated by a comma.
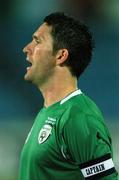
[[88, 145]]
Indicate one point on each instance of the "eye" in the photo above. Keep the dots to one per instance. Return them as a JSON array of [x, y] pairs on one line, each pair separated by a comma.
[[37, 41]]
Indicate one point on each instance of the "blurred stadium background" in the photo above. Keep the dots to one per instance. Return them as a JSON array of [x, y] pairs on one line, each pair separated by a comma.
[[20, 101]]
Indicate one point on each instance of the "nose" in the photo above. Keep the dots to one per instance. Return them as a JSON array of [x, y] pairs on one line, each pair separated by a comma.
[[27, 48]]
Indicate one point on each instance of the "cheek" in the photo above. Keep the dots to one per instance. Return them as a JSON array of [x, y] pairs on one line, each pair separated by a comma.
[[38, 54], [36, 51], [43, 57]]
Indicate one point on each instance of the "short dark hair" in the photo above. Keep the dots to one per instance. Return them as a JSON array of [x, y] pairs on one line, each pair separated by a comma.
[[69, 33]]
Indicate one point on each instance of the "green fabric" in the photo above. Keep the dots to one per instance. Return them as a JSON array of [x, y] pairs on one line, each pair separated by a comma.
[[74, 133]]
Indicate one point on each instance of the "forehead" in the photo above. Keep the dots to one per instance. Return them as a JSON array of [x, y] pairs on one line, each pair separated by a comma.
[[44, 31]]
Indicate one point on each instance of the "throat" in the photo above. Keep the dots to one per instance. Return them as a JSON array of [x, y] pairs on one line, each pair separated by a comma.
[[58, 87]]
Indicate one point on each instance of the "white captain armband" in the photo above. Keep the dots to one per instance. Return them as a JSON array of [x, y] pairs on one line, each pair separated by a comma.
[[97, 168]]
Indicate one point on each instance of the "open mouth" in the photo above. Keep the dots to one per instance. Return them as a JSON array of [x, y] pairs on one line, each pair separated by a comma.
[[29, 64]]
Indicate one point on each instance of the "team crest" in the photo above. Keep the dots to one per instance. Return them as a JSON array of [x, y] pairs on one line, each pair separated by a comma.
[[44, 133]]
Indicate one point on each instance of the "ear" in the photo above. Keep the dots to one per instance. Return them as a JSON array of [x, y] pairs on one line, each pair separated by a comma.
[[62, 56]]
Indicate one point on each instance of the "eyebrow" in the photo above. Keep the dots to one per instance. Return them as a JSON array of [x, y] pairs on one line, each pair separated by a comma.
[[36, 38]]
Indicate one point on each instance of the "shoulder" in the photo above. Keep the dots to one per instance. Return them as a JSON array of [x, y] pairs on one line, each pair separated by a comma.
[[84, 116], [81, 103], [82, 109]]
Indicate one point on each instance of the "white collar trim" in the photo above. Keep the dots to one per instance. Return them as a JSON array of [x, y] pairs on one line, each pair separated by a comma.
[[75, 93]]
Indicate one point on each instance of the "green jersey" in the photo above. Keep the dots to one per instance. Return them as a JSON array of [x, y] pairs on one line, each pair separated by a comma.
[[68, 140]]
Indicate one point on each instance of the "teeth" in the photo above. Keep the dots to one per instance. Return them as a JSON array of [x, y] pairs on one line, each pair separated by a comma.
[[27, 58], [29, 63]]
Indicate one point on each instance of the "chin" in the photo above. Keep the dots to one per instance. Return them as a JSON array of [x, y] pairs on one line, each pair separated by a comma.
[[27, 78]]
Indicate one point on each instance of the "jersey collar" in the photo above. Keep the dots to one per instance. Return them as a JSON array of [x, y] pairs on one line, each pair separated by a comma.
[[75, 93]]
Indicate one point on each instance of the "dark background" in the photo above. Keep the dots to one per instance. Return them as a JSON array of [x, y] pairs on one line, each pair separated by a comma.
[[20, 101]]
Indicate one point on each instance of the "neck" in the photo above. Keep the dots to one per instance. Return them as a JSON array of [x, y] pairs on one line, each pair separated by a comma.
[[57, 89]]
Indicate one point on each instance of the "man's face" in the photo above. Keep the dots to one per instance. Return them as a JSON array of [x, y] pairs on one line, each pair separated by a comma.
[[40, 54]]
